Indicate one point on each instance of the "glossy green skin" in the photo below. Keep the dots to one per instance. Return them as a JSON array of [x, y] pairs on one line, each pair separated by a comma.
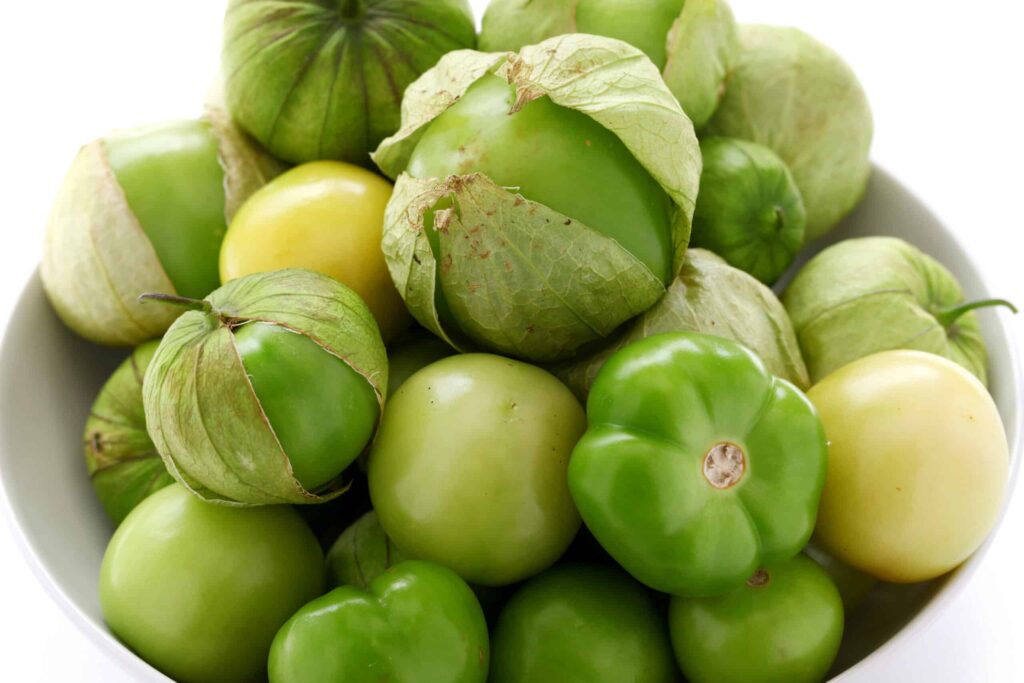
[[581, 624], [469, 467], [361, 554], [644, 24], [657, 408], [416, 623], [786, 631], [199, 590], [749, 210], [324, 80], [174, 183], [411, 356], [123, 463], [554, 156], [322, 411]]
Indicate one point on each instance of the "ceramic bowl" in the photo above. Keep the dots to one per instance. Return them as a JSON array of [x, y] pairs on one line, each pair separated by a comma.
[[49, 378]]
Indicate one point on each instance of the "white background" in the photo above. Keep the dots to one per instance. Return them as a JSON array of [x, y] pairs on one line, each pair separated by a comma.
[[945, 81]]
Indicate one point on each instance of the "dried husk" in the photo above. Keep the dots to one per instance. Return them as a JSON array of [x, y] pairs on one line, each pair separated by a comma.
[[710, 297], [97, 259], [521, 278], [203, 414]]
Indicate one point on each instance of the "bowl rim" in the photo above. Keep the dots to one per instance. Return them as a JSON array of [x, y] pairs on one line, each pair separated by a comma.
[[957, 580], [954, 585]]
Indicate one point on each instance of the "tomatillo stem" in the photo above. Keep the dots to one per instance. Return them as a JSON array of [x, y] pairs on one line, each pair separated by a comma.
[[181, 301], [948, 316]]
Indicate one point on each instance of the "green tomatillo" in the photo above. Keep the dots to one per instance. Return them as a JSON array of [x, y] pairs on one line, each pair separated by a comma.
[[267, 390], [469, 467], [711, 297], [542, 198], [698, 465], [871, 294], [324, 80], [749, 210], [199, 590], [581, 624], [693, 42], [784, 625], [796, 96], [145, 210], [123, 463], [415, 623]]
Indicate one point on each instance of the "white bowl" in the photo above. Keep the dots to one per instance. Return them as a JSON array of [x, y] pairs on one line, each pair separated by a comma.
[[49, 378]]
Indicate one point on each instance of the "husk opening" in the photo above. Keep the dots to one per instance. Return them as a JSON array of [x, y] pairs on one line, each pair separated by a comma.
[[202, 411], [611, 82]]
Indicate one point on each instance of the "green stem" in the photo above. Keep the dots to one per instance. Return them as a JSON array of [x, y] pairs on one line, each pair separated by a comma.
[[351, 9], [948, 316], [181, 301]]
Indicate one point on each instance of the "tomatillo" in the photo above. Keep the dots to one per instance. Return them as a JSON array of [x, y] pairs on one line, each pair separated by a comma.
[[469, 467], [918, 465], [693, 42], [326, 216], [324, 80], [361, 554], [698, 465], [199, 590], [870, 294], [555, 156], [415, 623], [145, 210], [123, 463], [267, 390], [542, 198], [581, 624], [749, 210], [784, 625]]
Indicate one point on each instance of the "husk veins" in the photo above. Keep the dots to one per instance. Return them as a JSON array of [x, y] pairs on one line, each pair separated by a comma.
[[97, 259], [710, 297], [203, 414], [519, 276]]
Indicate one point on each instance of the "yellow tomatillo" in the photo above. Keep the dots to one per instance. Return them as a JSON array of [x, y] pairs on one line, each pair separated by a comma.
[[326, 216], [918, 464]]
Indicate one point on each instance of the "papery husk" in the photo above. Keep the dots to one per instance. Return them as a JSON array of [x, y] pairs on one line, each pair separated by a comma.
[[312, 84], [97, 259], [203, 413], [796, 96], [362, 553], [862, 296], [710, 297], [124, 465], [527, 280], [701, 46]]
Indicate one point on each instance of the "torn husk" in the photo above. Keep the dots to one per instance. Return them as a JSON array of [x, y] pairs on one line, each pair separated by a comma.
[[518, 276]]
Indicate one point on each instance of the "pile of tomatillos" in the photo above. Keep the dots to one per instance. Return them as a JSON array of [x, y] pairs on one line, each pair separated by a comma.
[[457, 358]]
